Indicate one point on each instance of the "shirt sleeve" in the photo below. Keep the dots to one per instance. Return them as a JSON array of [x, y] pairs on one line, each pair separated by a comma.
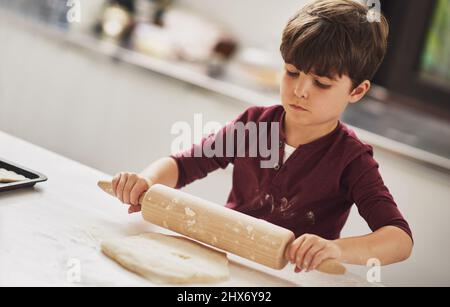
[[194, 163], [365, 187]]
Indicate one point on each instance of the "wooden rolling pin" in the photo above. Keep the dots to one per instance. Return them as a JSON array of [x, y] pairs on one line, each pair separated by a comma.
[[218, 226]]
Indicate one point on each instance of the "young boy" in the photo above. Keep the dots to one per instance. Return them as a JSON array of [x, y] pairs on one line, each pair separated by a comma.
[[331, 51]]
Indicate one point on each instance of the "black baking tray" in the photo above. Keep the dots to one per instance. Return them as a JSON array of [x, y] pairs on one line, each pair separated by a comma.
[[33, 177]]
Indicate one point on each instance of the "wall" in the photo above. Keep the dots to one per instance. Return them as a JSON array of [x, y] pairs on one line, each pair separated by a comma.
[[255, 24]]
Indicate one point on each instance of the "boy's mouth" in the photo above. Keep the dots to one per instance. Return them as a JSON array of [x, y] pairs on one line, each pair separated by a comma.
[[297, 108]]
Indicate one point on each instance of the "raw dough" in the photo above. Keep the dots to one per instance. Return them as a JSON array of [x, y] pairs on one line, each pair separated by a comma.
[[10, 176], [168, 259]]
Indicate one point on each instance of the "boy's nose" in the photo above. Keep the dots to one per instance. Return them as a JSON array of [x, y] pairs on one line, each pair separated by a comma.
[[301, 88]]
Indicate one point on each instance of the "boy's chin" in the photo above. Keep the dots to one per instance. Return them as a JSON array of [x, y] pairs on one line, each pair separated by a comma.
[[295, 117]]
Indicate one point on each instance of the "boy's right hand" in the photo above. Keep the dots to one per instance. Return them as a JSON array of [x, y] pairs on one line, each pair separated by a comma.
[[129, 187]]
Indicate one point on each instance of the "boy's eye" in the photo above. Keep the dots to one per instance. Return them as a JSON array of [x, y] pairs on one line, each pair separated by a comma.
[[321, 85], [316, 82], [292, 74]]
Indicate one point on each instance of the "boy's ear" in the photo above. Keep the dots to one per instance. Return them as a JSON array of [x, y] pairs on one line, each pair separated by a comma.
[[360, 91]]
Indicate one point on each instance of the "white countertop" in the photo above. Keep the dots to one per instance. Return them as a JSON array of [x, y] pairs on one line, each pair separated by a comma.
[[46, 230]]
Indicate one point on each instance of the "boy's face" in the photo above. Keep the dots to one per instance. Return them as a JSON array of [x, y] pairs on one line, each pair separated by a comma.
[[322, 99]]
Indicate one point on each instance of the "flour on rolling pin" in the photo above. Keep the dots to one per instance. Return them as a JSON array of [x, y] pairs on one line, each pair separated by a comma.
[[189, 212], [217, 226]]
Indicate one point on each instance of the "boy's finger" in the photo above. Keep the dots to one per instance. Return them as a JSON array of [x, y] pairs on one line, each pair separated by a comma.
[[310, 254], [128, 188], [292, 249], [139, 188], [133, 209], [121, 185], [115, 182], [319, 257], [301, 252]]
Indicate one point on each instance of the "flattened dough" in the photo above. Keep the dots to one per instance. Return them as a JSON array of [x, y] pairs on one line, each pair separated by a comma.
[[168, 259], [9, 176]]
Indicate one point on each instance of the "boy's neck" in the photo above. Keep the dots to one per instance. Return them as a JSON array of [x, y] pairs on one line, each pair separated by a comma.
[[298, 135]]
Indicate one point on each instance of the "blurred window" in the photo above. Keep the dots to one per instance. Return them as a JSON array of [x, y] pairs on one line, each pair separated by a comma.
[[435, 64]]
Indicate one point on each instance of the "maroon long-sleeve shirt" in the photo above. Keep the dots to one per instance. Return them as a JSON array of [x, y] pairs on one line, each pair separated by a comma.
[[315, 188]]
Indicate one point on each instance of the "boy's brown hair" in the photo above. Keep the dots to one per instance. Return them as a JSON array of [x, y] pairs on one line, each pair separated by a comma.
[[335, 37]]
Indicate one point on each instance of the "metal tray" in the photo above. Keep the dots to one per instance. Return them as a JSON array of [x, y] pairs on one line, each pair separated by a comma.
[[32, 176]]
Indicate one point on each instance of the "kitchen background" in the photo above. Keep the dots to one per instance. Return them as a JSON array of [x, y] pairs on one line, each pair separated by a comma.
[[106, 89]]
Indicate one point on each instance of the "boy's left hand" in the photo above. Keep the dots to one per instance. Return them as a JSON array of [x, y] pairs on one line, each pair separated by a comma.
[[309, 251]]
